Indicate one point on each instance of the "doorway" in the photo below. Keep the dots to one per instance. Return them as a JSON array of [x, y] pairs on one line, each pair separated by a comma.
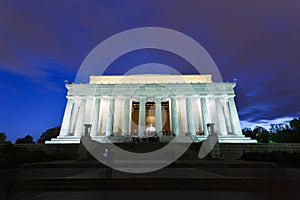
[[150, 116]]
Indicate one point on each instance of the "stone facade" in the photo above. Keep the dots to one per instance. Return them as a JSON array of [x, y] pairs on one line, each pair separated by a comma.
[[172, 105]]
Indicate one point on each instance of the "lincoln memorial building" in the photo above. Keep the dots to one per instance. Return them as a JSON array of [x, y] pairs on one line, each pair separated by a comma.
[[139, 106]]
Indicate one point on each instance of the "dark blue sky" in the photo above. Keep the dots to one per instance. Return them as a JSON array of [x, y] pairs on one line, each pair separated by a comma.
[[42, 43]]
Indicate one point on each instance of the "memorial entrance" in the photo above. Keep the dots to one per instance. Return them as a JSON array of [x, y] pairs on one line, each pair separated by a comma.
[[151, 117]]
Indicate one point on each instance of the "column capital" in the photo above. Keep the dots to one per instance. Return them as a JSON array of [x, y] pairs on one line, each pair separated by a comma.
[[173, 97], [98, 97], [126, 97], [111, 97], [230, 96], [90, 97], [142, 98], [220, 96], [157, 98], [192, 96], [79, 99], [76, 100]]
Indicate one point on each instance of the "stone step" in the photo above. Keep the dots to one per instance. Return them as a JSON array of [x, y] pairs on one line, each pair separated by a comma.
[[82, 184], [197, 164]]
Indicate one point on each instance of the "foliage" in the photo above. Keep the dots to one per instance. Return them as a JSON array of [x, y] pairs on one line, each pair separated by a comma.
[[48, 134], [3, 138], [249, 133], [295, 124], [277, 133], [28, 139], [262, 134]]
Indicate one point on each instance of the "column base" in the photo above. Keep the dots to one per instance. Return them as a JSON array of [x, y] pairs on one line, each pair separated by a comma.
[[229, 139], [163, 139], [76, 139]]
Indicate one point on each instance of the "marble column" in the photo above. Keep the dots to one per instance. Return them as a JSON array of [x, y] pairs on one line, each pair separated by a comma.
[[190, 117], [110, 118], [174, 113], [142, 116], [227, 118], [158, 115], [80, 118], [125, 120], [67, 121], [74, 118], [95, 116], [205, 114], [221, 117], [234, 117]]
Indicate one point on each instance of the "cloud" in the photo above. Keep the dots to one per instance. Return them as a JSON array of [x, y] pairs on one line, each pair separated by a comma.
[[267, 123]]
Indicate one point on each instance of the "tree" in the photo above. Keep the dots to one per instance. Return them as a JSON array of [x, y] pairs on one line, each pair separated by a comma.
[[262, 134], [275, 128], [295, 125], [277, 133], [249, 133], [48, 134], [28, 139], [3, 139]]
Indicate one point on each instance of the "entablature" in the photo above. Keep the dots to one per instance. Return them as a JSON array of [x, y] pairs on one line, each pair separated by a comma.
[[151, 89]]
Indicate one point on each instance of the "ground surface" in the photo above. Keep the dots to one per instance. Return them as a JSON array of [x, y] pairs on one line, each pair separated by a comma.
[[55, 172], [202, 179]]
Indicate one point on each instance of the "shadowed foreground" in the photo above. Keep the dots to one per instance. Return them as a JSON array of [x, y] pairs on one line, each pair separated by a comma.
[[189, 177]]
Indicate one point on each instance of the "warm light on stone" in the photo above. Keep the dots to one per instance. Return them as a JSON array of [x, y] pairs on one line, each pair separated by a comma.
[[151, 78]]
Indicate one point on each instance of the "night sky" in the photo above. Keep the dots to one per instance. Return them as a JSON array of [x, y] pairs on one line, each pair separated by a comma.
[[43, 43]]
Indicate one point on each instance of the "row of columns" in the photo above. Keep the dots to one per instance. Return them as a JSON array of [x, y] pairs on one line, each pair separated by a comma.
[[72, 109]]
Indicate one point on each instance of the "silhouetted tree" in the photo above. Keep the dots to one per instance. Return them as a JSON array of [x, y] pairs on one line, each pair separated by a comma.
[[295, 125], [28, 139], [282, 136], [273, 128], [3, 138], [287, 134], [249, 133], [262, 134], [48, 134], [278, 133]]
